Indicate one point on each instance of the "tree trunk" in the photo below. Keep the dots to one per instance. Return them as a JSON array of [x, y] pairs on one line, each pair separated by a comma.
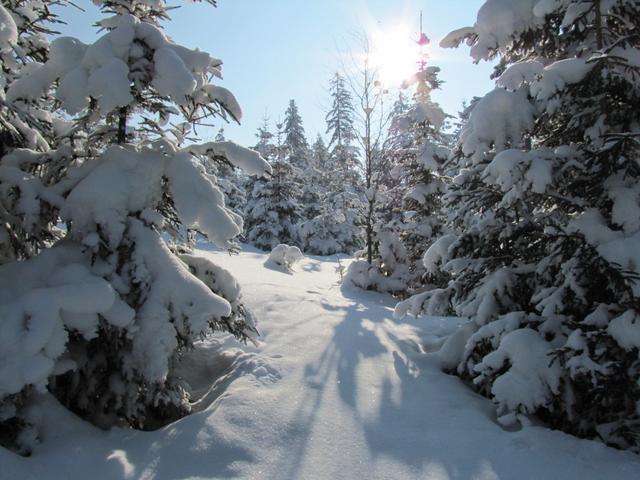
[[122, 126]]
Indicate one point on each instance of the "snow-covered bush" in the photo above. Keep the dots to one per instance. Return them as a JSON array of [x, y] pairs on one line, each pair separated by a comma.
[[285, 256], [389, 271], [547, 202], [101, 316]]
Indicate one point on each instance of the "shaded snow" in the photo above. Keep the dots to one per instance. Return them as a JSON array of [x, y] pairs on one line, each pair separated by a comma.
[[336, 390]]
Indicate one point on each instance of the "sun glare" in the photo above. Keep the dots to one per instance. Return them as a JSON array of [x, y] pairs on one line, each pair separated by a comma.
[[395, 54]]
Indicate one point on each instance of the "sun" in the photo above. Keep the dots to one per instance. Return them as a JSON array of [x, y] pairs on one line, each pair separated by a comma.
[[394, 54]]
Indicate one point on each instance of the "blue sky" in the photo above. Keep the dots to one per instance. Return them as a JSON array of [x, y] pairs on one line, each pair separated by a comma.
[[275, 50]]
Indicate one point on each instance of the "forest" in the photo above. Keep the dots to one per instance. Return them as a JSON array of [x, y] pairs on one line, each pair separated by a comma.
[[410, 293]]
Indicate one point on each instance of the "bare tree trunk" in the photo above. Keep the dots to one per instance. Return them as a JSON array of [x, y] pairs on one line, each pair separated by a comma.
[[599, 37], [122, 126], [369, 92], [368, 175]]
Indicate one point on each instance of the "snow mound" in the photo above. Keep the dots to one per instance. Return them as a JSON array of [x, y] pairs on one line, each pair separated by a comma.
[[368, 277], [212, 367], [284, 256]]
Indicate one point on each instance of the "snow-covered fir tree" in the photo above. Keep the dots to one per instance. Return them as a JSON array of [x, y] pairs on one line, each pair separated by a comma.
[[343, 161], [294, 138], [389, 212], [320, 154], [389, 270], [27, 166], [340, 120], [313, 194], [273, 205], [100, 316], [337, 228], [548, 202], [408, 211], [232, 181], [418, 167], [295, 151], [266, 146], [26, 219]]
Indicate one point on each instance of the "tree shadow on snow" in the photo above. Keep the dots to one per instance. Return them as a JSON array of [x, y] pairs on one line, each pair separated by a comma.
[[350, 343], [270, 265], [179, 451], [414, 424], [312, 267], [402, 429]]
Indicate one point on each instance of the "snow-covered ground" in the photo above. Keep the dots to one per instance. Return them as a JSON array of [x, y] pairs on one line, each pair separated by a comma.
[[337, 390]]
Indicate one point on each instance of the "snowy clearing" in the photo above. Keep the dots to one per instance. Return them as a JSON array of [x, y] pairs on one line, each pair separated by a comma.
[[336, 390]]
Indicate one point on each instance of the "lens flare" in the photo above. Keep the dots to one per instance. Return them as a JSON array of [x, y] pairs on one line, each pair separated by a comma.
[[395, 54]]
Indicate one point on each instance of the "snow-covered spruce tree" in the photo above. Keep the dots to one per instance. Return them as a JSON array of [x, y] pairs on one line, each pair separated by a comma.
[[27, 167], [266, 146], [343, 154], [408, 213], [343, 168], [389, 270], [337, 228], [273, 208], [229, 179], [389, 212], [320, 154], [295, 151], [27, 220], [312, 196], [101, 316], [294, 138], [418, 167], [547, 198]]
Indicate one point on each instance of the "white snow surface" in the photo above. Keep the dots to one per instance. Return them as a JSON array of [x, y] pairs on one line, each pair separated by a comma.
[[336, 390]]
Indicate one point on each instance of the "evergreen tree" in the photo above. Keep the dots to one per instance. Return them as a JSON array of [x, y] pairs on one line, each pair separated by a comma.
[[313, 196], [337, 226], [294, 150], [294, 139], [418, 166], [273, 209], [389, 271], [27, 220], [229, 179], [100, 316], [344, 163], [265, 146], [547, 203], [408, 214], [28, 164], [320, 154]]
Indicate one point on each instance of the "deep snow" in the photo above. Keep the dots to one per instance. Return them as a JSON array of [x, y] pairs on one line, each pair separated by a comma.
[[336, 390]]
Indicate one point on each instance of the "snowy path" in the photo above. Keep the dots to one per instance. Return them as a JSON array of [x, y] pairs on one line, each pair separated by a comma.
[[337, 391]]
